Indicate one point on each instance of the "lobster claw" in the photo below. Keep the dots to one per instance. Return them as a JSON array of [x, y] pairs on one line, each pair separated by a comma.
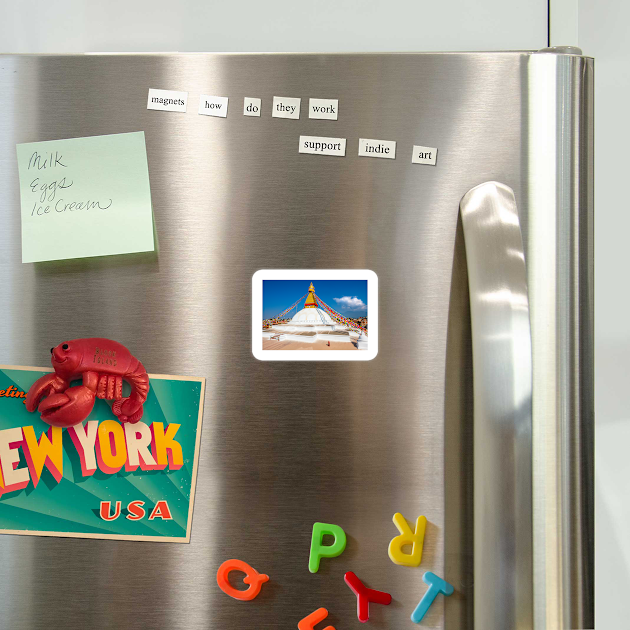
[[43, 386], [68, 408], [127, 410]]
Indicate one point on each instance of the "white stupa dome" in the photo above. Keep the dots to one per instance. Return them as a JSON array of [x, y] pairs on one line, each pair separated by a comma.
[[312, 316]]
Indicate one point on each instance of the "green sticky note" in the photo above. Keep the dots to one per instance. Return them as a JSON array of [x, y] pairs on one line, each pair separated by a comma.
[[85, 197]]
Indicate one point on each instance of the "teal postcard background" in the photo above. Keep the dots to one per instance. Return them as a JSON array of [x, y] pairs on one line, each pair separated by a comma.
[[72, 505]]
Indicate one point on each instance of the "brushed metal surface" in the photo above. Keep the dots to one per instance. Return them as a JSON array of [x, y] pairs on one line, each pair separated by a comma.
[[502, 372], [560, 274], [283, 444]]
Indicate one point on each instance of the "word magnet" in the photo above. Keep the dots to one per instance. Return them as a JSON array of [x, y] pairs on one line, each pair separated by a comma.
[[252, 577], [424, 155], [323, 108], [377, 148], [213, 105], [319, 550], [365, 596], [167, 100], [285, 107], [407, 537], [251, 106], [322, 146]]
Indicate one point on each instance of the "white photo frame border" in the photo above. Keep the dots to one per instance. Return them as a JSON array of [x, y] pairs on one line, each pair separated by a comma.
[[309, 275]]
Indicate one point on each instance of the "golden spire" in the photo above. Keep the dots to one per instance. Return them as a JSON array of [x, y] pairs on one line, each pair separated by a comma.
[[310, 300]]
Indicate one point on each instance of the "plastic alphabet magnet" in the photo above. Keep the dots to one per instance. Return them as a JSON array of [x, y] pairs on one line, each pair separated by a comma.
[[365, 596], [436, 586], [252, 577], [407, 537], [308, 623], [319, 551]]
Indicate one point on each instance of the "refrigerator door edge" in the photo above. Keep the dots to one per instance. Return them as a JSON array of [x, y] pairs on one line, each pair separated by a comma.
[[559, 255]]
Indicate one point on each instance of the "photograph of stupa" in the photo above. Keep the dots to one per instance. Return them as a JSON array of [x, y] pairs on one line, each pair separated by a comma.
[[310, 323]]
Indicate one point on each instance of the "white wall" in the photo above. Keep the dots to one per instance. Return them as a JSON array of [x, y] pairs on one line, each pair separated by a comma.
[[281, 25], [603, 27]]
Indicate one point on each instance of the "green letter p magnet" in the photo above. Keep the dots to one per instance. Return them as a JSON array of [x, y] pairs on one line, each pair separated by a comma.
[[319, 551]]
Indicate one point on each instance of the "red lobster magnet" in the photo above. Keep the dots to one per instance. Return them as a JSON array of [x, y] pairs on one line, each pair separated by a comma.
[[102, 364]]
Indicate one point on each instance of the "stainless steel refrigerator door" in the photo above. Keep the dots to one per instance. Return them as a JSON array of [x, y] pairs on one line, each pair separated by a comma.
[[288, 444]]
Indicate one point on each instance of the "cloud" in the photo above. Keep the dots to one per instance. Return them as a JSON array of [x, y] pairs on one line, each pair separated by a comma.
[[348, 303]]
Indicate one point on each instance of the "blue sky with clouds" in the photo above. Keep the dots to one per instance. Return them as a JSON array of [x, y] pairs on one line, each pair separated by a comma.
[[348, 297]]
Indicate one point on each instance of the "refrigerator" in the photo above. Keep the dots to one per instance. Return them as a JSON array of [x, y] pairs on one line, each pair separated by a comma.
[[475, 412]]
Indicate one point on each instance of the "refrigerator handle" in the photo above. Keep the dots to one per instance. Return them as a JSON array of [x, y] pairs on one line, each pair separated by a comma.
[[502, 375]]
